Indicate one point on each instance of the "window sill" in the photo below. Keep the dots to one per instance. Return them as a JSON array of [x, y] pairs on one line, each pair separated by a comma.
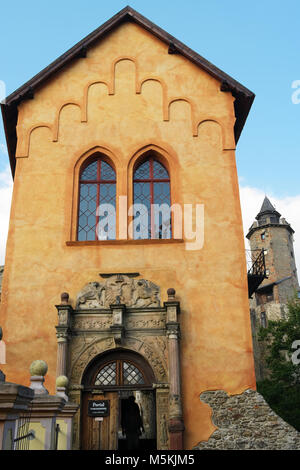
[[154, 241]]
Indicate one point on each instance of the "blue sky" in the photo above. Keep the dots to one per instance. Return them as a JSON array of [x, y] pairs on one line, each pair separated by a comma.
[[257, 43]]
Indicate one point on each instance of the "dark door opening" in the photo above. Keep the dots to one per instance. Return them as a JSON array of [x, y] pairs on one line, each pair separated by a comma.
[[111, 379], [145, 400]]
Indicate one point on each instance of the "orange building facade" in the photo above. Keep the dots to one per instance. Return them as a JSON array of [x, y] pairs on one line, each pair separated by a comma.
[[127, 94]]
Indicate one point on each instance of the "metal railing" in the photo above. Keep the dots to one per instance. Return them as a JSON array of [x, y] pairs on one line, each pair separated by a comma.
[[256, 265], [57, 430], [23, 435]]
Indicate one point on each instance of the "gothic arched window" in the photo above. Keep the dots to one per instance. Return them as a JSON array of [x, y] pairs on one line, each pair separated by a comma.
[[152, 201], [97, 201]]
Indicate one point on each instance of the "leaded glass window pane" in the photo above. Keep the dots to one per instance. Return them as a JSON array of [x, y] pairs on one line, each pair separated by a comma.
[[97, 202], [159, 171], [107, 375], [107, 172], [143, 171], [87, 212], [142, 219], [90, 172], [131, 374]]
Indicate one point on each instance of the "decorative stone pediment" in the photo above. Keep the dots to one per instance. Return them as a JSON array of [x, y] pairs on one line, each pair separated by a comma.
[[119, 289]]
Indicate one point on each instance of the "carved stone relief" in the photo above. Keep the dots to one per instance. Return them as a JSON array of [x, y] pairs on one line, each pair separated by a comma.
[[119, 289], [163, 430], [81, 361], [152, 349], [90, 323], [145, 322], [63, 317], [162, 412]]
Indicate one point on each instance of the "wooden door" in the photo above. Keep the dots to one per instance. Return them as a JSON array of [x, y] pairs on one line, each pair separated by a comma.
[[100, 435]]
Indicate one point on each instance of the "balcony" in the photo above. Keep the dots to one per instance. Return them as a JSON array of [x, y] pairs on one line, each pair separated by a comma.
[[256, 270]]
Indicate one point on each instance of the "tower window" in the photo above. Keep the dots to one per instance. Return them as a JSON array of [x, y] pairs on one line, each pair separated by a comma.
[[263, 319], [263, 236], [265, 295], [253, 318]]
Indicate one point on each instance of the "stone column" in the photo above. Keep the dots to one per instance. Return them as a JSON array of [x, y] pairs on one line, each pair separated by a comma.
[[62, 332], [176, 426]]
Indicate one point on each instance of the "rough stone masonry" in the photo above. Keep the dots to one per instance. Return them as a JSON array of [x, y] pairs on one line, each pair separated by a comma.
[[246, 421]]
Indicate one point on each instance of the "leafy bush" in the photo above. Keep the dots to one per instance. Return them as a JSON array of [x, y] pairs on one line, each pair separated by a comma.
[[282, 389]]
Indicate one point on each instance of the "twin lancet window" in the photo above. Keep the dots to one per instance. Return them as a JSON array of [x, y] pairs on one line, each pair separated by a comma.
[[97, 201]]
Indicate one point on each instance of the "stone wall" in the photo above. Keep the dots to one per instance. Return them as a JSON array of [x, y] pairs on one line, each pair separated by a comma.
[[246, 421]]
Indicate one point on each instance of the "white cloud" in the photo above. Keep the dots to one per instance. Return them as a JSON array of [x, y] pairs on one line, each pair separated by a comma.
[[3, 148], [5, 201], [289, 208]]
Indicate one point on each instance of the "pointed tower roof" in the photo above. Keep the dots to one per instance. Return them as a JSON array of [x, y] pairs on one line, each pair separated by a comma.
[[9, 107], [268, 216], [267, 207]]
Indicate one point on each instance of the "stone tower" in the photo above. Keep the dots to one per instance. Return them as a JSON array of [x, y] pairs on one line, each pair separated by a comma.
[[273, 234]]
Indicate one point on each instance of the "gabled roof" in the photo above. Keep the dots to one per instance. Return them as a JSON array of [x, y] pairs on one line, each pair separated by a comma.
[[242, 104]]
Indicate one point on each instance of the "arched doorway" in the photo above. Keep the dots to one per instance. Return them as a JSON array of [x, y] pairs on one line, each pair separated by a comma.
[[108, 381]]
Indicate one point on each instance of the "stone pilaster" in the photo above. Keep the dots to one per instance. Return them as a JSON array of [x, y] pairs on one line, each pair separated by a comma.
[[64, 311], [175, 425], [162, 413]]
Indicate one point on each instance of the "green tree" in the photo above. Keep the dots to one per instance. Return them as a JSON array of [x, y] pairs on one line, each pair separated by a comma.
[[282, 389]]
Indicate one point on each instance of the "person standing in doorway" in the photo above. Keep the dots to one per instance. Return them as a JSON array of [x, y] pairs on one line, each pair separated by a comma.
[[132, 423]]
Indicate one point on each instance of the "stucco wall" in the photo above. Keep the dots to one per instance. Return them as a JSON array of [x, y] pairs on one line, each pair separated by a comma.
[[103, 101]]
